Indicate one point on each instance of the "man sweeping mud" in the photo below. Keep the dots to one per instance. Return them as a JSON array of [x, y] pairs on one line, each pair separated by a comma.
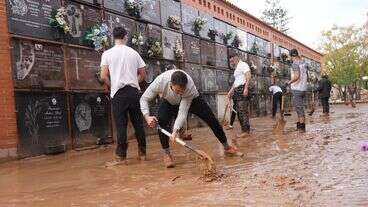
[[179, 96], [298, 85]]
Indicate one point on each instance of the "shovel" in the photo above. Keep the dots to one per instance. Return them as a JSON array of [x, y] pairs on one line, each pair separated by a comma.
[[210, 165], [280, 124]]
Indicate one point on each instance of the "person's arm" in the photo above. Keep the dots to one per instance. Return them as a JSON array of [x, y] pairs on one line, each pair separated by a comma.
[[151, 92], [247, 81], [141, 68], [105, 73], [182, 113], [296, 75]]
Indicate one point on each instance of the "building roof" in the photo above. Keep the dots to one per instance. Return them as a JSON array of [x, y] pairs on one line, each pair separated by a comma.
[[266, 25]]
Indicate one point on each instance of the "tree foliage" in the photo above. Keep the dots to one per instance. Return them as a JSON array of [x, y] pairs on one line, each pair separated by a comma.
[[346, 54], [276, 16]]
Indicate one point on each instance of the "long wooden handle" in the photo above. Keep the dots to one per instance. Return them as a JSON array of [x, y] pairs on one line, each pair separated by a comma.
[[282, 103], [226, 107]]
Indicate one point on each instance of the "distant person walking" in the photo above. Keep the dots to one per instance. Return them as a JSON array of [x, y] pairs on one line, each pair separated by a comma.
[[324, 90], [122, 68], [276, 98], [298, 85]]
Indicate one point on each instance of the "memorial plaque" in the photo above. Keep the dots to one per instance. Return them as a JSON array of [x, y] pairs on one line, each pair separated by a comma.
[[169, 8], [189, 15], [114, 20], [255, 64], [209, 80], [254, 106], [211, 101], [221, 56], [243, 40], [151, 11], [154, 31], [93, 2], [169, 65], [153, 69], [223, 77], [169, 39], [209, 25], [266, 67], [32, 18], [83, 65], [194, 71], [192, 49], [42, 122], [90, 118], [253, 85], [233, 30], [80, 19], [37, 64], [208, 56], [115, 5], [262, 104], [220, 27]]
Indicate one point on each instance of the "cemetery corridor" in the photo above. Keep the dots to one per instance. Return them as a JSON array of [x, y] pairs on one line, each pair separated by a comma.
[[324, 166]]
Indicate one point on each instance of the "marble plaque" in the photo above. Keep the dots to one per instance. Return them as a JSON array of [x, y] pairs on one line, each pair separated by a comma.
[[210, 98], [208, 56], [115, 5], [168, 43], [243, 39], [194, 71], [169, 8], [83, 66], [151, 11], [223, 82], [31, 18], [209, 25], [255, 64], [233, 30], [80, 19], [42, 122], [154, 31], [192, 49], [221, 56], [90, 118], [189, 15], [209, 80], [220, 26], [114, 20], [37, 65]]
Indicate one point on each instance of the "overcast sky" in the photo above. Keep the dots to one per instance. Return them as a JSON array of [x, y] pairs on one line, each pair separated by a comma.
[[310, 17]]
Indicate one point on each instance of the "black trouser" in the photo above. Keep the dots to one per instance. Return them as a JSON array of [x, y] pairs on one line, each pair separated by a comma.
[[233, 114], [242, 108], [167, 112], [325, 105], [125, 101], [276, 100]]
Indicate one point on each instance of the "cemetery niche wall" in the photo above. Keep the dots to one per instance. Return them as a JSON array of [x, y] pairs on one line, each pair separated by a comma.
[[49, 66]]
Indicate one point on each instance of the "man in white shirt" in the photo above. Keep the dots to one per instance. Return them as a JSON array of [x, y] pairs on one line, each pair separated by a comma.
[[240, 92], [122, 68], [179, 96], [276, 98], [298, 85]]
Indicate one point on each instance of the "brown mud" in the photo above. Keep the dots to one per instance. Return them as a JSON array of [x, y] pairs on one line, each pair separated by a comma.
[[323, 167]]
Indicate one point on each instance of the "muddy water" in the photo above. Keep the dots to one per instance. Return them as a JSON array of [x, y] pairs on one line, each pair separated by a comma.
[[323, 167]]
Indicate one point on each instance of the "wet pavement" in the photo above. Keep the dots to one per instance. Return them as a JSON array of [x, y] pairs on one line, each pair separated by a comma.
[[323, 167]]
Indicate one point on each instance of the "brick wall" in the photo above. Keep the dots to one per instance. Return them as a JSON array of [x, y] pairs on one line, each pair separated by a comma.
[[8, 128]]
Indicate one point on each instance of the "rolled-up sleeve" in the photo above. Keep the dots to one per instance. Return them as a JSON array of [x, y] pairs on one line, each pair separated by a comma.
[[183, 113]]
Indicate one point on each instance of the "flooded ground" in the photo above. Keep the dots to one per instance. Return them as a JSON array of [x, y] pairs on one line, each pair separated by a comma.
[[323, 167]]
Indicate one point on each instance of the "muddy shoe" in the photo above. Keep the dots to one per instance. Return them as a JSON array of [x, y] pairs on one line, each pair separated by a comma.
[[118, 161], [141, 156], [232, 152], [243, 135], [168, 161]]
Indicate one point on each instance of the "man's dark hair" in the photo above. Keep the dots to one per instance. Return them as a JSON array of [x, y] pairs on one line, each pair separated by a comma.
[[179, 78], [233, 54], [294, 53], [119, 33]]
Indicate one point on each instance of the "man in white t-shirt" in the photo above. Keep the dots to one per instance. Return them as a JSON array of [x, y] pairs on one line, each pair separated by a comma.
[[276, 98], [298, 85], [239, 92], [122, 68]]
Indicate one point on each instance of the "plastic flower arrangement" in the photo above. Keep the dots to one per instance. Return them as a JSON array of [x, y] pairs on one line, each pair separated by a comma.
[[98, 35], [58, 20]]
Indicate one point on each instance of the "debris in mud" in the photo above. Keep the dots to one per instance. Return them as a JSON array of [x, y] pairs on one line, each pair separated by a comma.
[[212, 178], [177, 177], [364, 146]]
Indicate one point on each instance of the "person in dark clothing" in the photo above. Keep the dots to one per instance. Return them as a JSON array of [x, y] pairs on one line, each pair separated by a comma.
[[324, 90], [276, 98]]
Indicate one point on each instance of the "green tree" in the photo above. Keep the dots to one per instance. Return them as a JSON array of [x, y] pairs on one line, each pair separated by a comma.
[[346, 56], [276, 16]]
